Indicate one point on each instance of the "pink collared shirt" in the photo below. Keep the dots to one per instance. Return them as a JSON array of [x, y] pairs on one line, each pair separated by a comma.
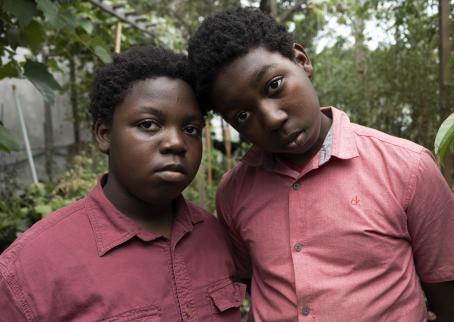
[[346, 238], [88, 262]]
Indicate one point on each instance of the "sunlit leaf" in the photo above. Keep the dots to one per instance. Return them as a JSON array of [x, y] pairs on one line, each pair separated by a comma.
[[444, 138], [38, 74], [8, 141], [23, 10]]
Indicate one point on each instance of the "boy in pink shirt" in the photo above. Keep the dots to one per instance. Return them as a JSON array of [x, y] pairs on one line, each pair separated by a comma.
[[331, 221], [133, 249]]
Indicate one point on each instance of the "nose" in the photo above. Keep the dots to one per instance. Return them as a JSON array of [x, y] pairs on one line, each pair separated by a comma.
[[272, 115], [172, 142]]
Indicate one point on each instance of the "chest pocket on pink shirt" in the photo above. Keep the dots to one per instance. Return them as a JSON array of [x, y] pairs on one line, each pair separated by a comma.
[[145, 314], [226, 300]]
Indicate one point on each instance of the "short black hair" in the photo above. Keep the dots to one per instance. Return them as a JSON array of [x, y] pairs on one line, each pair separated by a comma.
[[228, 35], [113, 81]]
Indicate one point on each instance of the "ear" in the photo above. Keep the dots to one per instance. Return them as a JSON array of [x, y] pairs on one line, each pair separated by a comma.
[[302, 59], [102, 135]]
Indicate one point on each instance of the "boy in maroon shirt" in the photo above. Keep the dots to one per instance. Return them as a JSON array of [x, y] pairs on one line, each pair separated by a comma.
[[133, 249], [331, 221]]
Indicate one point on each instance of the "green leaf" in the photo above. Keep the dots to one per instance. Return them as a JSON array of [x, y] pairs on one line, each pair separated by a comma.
[[49, 9], [8, 141], [57, 16], [8, 70], [444, 138], [103, 54], [86, 25], [43, 210], [38, 74], [23, 10], [35, 35]]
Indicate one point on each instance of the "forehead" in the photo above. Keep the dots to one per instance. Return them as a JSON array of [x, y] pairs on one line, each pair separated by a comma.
[[247, 71], [164, 93]]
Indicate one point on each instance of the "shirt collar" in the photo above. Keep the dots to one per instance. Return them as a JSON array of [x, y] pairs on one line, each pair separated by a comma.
[[340, 142], [112, 228]]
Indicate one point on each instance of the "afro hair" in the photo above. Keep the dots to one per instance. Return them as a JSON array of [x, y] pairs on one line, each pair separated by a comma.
[[113, 81], [228, 35]]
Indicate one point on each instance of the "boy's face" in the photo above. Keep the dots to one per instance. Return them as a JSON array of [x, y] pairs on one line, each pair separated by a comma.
[[154, 140], [270, 100]]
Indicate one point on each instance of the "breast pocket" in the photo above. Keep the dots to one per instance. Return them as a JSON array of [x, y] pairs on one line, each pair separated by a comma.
[[226, 300], [145, 314]]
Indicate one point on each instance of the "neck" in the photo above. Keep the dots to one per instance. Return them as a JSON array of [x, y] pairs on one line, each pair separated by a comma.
[[301, 160], [157, 218]]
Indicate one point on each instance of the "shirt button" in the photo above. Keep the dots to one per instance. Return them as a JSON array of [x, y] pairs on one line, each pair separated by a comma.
[[305, 311], [188, 313], [296, 186], [298, 247]]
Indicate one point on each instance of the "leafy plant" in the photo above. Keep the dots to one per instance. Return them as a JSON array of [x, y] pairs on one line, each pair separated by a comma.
[[444, 139]]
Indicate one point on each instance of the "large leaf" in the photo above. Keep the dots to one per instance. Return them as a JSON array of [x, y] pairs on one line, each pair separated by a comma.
[[38, 74], [103, 54], [8, 141], [49, 9], [35, 35], [57, 16], [23, 10], [86, 25], [444, 138]]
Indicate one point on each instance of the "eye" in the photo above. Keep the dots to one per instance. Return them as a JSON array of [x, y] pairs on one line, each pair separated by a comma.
[[193, 130], [148, 125], [275, 85], [242, 116]]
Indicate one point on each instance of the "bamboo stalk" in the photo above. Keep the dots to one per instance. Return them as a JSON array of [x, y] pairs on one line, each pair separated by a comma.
[[118, 37], [209, 151], [227, 144]]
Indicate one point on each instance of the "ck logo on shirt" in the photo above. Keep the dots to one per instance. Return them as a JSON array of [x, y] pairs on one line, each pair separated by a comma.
[[355, 201]]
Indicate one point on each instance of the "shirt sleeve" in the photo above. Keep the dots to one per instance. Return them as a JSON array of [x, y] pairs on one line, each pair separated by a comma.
[[430, 215], [8, 307], [240, 250]]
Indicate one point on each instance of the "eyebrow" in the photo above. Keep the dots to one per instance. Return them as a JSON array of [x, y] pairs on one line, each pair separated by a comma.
[[158, 113], [151, 110], [258, 75]]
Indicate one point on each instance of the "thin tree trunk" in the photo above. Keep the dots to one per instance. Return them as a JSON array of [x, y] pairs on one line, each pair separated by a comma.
[[48, 137], [74, 105]]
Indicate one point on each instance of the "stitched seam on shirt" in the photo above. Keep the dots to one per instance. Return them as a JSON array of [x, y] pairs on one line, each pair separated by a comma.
[[375, 137], [94, 224], [18, 296], [411, 184]]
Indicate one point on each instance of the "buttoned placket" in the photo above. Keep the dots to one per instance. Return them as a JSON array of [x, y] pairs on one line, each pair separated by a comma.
[[298, 240], [182, 282]]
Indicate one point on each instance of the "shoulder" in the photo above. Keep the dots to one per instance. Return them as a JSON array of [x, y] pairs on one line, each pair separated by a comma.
[[390, 142], [393, 152], [43, 236]]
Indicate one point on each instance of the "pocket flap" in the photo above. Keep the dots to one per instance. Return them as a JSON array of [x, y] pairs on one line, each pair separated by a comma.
[[228, 296]]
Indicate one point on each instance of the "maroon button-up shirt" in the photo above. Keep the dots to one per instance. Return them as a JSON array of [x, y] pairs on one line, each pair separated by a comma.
[[89, 262]]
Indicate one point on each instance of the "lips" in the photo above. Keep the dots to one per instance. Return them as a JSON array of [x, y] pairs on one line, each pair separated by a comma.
[[176, 167], [173, 172], [287, 139]]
